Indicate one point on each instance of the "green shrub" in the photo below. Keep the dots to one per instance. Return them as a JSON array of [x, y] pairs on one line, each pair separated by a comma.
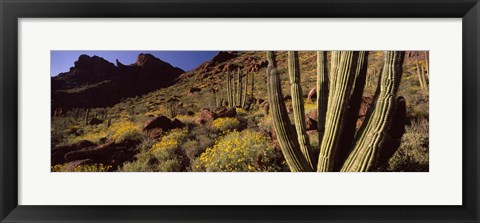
[[170, 165], [412, 156], [224, 124], [168, 149], [241, 151], [144, 160], [127, 131]]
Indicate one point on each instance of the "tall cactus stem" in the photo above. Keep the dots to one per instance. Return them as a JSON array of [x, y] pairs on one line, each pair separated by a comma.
[[253, 86], [420, 76], [229, 90], [87, 112], [344, 68], [285, 131], [322, 92], [244, 97], [234, 91], [239, 87], [298, 105], [378, 124]]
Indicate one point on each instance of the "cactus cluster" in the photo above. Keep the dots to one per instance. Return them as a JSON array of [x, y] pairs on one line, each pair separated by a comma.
[[422, 74], [237, 89], [338, 102]]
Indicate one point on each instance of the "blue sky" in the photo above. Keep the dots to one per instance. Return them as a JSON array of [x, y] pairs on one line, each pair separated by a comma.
[[62, 60]]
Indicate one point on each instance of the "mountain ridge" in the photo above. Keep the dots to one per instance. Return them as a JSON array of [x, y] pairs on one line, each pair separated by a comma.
[[94, 81]]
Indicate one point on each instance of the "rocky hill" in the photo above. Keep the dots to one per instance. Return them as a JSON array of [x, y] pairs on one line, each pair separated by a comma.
[[95, 82]]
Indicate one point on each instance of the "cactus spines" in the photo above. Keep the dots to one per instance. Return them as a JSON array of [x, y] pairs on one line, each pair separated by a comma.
[[345, 69], [376, 129], [285, 131], [322, 92], [87, 112], [298, 106]]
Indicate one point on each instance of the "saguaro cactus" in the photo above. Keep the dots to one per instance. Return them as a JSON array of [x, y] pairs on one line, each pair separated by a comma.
[[297, 104], [285, 132], [380, 134]]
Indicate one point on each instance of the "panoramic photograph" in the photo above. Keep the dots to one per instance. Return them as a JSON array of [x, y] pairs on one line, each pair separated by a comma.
[[239, 111]]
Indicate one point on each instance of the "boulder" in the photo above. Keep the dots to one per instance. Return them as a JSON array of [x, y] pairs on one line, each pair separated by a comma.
[[205, 116], [312, 95], [227, 112], [70, 166], [95, 121], [177, 124], [362, 113], [109, 153], [154, 127], [310, 124], [58, 154], [194, 90], [161, 122], [313, 114]]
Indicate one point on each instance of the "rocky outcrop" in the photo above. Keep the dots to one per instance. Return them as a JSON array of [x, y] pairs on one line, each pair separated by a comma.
[[95, 82], [154, 127], [110, 153], [362, 113], [227, 112], [310, 123], [205, 116], [58, 153]]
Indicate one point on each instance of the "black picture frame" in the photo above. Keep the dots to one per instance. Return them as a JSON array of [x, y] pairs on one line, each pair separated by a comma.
[[11, 11]]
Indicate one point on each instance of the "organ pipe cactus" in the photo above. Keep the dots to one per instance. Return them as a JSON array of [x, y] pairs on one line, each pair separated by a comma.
[[229, 90], [377, 128], [340, 148], [297, 104], [87, 112], [239, 88], [244, 96], [345, 70], [322, 92], [286, 135], [253, 81], [234, 90], [426, 64]]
